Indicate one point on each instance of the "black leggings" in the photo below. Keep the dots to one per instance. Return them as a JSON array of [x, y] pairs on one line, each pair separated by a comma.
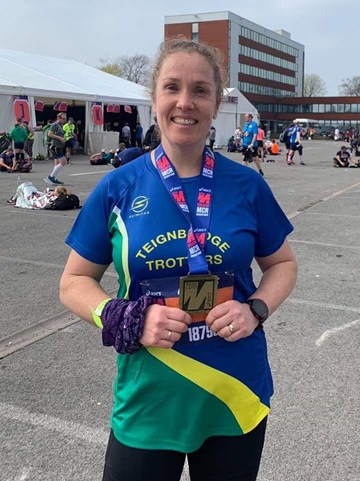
[[220, 458]]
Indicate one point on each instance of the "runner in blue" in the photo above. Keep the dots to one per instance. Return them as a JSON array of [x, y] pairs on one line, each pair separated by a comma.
[[295, 143], [190, 382], [250, 142]]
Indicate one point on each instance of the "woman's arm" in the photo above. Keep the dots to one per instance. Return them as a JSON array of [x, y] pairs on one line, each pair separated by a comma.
[[277, 282], [279, 277], [80, 288]]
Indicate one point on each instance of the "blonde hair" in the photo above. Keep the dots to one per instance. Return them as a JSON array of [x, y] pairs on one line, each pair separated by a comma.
[[183, 45], [61, 190]]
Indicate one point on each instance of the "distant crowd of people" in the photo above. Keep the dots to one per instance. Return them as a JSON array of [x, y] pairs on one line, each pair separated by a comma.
[[60, 139]]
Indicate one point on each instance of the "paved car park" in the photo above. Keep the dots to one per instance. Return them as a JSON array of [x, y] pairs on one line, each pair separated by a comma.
[[56, 377]]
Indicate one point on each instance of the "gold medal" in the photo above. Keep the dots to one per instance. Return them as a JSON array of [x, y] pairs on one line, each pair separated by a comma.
[[197, 293]]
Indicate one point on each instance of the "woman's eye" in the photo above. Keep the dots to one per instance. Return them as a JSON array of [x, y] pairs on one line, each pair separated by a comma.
[[171, 88]]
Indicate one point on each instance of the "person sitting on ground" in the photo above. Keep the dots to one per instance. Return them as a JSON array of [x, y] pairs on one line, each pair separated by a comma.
[[231, 146], [27, 196], [273, 148], [8, 161], [343, 158], [102, 158]]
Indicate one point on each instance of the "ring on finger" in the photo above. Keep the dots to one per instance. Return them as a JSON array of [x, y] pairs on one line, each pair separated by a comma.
[[231, 328], [169, 335]]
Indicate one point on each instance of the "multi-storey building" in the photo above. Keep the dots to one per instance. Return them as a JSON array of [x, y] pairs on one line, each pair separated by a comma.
[[261, 63], [267, 67]]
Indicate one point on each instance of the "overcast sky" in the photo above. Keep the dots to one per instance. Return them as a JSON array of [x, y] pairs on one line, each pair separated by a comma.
[[86, 30]]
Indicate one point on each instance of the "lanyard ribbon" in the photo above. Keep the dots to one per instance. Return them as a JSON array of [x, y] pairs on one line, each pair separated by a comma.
[[199, 226]]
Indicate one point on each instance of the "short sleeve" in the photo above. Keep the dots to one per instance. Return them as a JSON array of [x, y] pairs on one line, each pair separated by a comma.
[[272, 224], [90, 236]]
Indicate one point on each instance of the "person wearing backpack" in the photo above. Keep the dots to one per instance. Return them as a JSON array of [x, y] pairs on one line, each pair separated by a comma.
[[294, 134]]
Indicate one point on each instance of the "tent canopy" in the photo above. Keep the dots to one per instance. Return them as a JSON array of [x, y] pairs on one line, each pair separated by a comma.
[[244, 106], [35, 75]]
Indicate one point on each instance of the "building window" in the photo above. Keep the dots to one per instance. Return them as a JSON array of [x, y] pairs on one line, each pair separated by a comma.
[[340, 108], [354, 108], [195, 32]]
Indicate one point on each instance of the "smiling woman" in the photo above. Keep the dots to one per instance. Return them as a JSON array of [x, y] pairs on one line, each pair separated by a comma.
[[193, 377], [187, 86]]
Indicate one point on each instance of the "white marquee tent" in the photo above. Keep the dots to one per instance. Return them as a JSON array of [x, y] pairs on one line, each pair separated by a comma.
[[43, 77], [38, 76]]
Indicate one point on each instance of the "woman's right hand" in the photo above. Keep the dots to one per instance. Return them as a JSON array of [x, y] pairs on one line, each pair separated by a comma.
[[164, 326]]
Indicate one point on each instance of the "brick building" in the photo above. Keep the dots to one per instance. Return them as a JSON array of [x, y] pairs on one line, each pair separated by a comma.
[[267, 67]]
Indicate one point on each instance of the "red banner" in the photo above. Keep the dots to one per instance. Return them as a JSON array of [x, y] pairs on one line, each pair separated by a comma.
[[63, 107], [60, 106], [112, 108], [22, 109], [39, 106], [97, 114]]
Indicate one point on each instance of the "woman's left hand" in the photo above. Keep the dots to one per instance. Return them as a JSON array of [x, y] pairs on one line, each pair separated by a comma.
[[232, 320]]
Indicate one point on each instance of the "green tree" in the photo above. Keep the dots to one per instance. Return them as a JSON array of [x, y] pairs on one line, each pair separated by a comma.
[[135, 68], [314, 86], [350, 86]]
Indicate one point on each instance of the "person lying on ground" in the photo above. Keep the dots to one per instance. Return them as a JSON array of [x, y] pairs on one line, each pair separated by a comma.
[[102, 158], [28, 196], [126, 156]]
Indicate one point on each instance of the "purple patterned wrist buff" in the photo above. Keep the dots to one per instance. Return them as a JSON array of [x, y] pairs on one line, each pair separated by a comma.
[[123, 323]]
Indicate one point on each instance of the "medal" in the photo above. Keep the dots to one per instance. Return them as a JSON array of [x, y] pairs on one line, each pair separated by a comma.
[[197, 293]]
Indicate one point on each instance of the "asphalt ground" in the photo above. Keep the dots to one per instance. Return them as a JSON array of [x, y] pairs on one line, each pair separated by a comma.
[[56, 377]]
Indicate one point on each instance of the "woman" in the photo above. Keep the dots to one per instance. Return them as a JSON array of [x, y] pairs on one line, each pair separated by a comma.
[[192, 379]]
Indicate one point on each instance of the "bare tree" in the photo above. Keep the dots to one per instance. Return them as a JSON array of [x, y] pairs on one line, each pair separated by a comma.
[[134, 68], [314, 86], [350, 86]]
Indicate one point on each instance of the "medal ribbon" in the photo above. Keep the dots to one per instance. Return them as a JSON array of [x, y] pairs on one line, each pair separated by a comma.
[[199, 226]]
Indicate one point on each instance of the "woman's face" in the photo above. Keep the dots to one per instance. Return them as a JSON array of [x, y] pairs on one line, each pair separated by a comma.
[[185, 100]]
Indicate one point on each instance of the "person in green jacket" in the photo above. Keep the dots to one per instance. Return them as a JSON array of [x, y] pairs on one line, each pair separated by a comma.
[[70, 138], [19, 136]]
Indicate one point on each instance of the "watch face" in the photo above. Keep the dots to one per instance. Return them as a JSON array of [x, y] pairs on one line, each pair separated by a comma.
[[260, 309]]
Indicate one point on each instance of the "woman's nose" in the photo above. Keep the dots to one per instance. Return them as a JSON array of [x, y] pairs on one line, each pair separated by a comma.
[[185, 100]]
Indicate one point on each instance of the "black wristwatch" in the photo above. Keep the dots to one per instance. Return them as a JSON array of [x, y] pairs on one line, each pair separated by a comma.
[[259, 309]]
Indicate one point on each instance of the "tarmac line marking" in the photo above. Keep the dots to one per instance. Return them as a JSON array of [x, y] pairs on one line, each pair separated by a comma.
[[90, 173], [331, 332], [325, 305], [47, 214], [335, 215], [65, 428], [323, 244], [324, 199]]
